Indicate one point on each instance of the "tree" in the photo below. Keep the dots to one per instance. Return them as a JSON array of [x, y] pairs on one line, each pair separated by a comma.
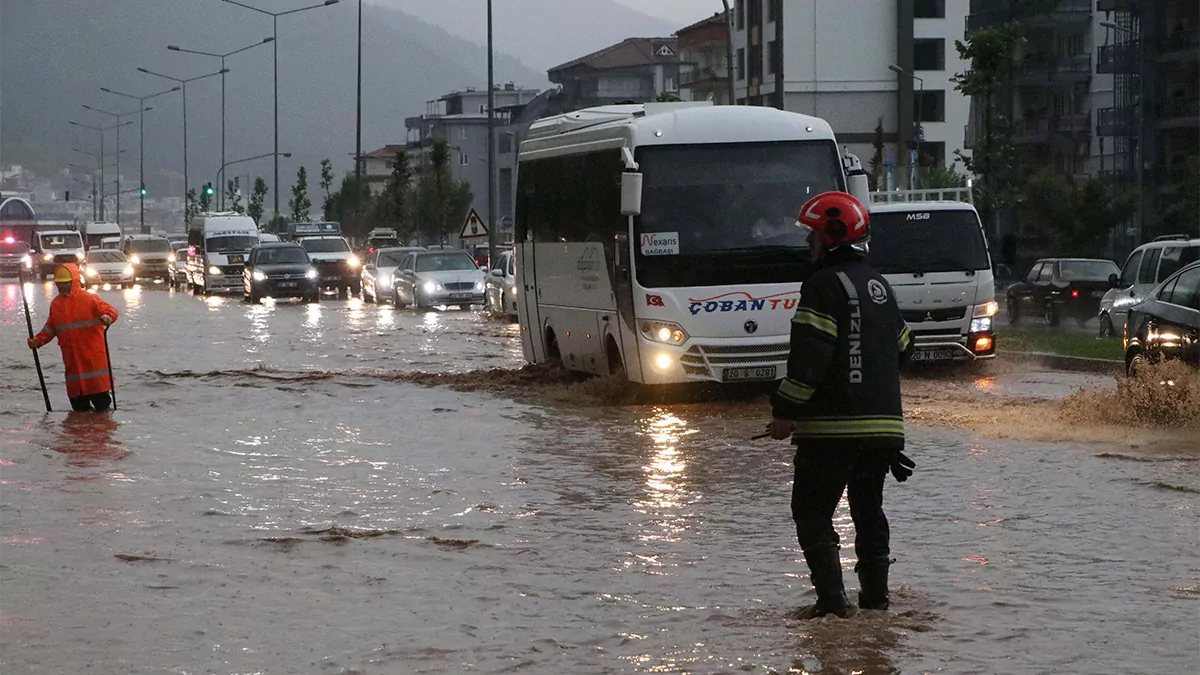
[[441, 202], [941, 177], [190, 207], [1074, 218], [397, 197], [234, 190], [205, 201], [990, 53], [258, 196], [875, 178], [1179, 210], [300, 203], [667, 97], [326, 181]]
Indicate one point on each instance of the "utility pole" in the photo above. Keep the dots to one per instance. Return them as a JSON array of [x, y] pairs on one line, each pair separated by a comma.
[[358, 223], [493, 226], [729, 53]]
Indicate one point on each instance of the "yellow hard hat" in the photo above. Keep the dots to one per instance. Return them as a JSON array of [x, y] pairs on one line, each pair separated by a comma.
[[62, 275]]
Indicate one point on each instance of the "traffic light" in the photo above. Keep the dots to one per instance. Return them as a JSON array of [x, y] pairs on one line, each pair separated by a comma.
[[143, 191], [208, 189]]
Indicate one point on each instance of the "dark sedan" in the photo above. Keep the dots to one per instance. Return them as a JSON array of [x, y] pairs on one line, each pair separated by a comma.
[[1167, 324], [1058, 287], [280, 270]]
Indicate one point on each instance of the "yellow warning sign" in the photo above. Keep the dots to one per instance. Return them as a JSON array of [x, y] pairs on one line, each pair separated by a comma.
[[473, 227]]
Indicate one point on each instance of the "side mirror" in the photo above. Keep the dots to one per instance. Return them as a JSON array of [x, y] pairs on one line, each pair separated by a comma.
[[407, 273], [1114, 281], [498, 272], [631, 193]]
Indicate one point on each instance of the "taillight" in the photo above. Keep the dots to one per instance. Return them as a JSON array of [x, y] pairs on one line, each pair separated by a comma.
[[1074, 293]]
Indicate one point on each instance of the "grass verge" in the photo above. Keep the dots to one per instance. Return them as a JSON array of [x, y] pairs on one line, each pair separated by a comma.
[[1063, 344]]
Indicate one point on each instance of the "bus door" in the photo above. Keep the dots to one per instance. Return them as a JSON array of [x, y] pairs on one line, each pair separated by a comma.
[[625, 322], [532, 334]]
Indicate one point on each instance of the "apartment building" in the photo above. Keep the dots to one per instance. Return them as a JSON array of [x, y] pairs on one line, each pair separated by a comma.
[[704, 47], [855, 63], [634, 69]]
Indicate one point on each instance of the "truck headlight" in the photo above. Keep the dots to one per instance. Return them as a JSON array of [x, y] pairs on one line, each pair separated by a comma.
[[311, 274], [981, 325], [258, 275], [48, 257], [353, 261], [171, 258], [214, 271], [988, 308], [665, 332], [128, 269], [91, 272], [135, 260]]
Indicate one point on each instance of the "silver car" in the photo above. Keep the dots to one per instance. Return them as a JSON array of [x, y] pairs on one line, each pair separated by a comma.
[[436, 278], [502, 286], [1146, 268], [379, 270]]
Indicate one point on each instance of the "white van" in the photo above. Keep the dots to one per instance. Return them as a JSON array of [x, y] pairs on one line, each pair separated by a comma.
[[930, 246], [95, 233], [55, 247], [150, 255], [218, 244]]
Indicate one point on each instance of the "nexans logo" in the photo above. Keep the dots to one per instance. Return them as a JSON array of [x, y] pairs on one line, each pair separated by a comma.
[[918, 216]]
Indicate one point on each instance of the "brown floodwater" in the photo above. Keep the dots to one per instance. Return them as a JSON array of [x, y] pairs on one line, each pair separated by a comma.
[[346, 488]]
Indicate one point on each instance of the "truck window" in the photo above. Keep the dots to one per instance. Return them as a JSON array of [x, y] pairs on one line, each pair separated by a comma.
[[927, 241], [67, 240]]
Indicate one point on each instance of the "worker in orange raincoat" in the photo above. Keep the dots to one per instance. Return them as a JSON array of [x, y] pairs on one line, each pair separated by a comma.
[[78, 319]]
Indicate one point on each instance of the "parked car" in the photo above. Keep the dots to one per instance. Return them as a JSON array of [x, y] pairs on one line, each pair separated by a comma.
[[502, 286], [15, 257], [108, 267], [482, 253], [1146, 268], [434, 278], [1167, 324], [381, 266], [280, 270], [1058, 287]]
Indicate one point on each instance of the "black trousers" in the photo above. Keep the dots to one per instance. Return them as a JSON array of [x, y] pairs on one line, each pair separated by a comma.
[[821, 477], [98, 402]]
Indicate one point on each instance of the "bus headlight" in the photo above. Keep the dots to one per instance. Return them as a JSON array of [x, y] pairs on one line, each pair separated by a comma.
[[666, 332], [214, 271], [258, 275], [988, 308], [663, 362]]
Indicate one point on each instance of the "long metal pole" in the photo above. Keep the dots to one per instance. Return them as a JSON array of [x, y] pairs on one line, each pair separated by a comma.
[[185, 157], [219, 186], [103, 185], [358, 132], [275, 44], [37, 362], [118, 172], [729, 53], [141, 167], [493, 226]]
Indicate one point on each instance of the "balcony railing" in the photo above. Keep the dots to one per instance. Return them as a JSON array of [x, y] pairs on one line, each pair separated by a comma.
[[1122, 58], [1054, 70], [1029, 11], [701, 74], [1117, 121], [1176, 109], [1047, 129]]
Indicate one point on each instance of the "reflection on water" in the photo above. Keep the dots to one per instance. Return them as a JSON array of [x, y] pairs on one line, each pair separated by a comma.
[[666, 490], [86, 438]]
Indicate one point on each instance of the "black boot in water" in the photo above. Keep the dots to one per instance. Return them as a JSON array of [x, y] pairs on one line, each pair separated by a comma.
[[826, 574], [873, 581]]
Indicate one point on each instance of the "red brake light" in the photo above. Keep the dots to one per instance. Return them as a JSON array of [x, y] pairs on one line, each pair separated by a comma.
[[1074, 293]]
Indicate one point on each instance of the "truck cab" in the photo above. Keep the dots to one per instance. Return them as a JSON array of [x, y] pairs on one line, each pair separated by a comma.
[[95, 233], [149, 254], [930, 246], [55, 247], [336, 264], [218, 245]]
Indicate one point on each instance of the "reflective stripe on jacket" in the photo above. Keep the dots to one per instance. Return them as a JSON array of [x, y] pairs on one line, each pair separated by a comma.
[[75, 320]]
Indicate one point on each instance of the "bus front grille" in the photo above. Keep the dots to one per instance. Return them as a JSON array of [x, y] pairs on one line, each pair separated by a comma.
[[699, 358]]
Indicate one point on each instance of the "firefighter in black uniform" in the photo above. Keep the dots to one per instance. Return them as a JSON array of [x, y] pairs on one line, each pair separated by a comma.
[[840, 403]]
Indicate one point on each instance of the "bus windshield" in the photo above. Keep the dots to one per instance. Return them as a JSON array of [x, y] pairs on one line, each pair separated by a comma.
[[927, 241], [65, 240], [726, 213], [231, 242]]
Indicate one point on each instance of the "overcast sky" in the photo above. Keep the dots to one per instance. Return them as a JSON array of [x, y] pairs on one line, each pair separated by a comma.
[[682, 12]]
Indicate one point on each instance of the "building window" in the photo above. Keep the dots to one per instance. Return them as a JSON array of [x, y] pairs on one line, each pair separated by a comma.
[[773, 57], [506, 143], [756, 64], [930, 106], [930, 9], [929, 54], [462, 132], [741, 64], [669, 84], [739, 12], [773, 10], [463, 159]]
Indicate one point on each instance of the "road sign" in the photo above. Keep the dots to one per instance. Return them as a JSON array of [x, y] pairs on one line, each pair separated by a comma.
[[473, 227]]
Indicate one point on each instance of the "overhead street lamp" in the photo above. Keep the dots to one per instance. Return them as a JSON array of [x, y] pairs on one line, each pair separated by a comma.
[[140, 111], [275, 39], [225, 165], [101, 131], [183, 82], [176, 48], [918, 130], [141, 146]]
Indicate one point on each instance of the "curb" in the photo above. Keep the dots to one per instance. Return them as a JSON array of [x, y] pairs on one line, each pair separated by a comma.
[[1077, 364]]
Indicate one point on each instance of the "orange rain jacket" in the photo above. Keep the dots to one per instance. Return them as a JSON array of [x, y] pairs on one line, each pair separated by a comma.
[[75, 321]]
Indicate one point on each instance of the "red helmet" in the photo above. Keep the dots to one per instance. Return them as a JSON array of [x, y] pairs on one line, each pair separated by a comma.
[[839, 218]]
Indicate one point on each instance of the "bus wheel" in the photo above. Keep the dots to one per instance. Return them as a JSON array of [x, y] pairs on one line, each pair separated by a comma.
[[616, 364]]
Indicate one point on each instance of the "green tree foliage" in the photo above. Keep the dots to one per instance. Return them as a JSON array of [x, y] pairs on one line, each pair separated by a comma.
[[191, 207], [204, 204], [1179, 210], [326, 181], [234, 190], [340, 206], [258, 196], [300, 204], [667, 97], [940, 177], [442, 203], [875, 176], [393, 208], [1074, 218], [990, 53]]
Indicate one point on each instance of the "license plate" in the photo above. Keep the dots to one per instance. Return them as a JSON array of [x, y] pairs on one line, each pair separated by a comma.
[[236, 259], [935, 355], [748, 374], [288, 284], [460, 296]]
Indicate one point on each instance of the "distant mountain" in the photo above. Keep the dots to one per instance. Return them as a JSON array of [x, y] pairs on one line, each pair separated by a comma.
[[56, 54], [542, 33]]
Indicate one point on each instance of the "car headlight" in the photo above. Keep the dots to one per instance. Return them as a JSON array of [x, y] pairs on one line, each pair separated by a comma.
[[171, 258], [135, 260], [385, 279], [128, 269], [48, 257], [91, 271], [981, 325], [258, 275], [988, 308], [311, 274], [353, 261], [28, 260], [430, 287], [665, 332], [214, 271], [512, 289], [479, 285]]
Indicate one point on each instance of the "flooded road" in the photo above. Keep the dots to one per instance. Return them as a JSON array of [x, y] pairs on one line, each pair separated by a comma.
[[278, 493]]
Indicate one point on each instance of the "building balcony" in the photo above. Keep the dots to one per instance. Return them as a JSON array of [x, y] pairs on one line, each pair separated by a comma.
[[703, 75], [1048, 130], [1117, 121], [1032, 13], [1065, 70], [1116, 5], [1122, 58], [1180, 45], [1179, 113]]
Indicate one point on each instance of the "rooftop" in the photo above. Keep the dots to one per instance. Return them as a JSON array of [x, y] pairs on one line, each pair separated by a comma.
[[630, 52]]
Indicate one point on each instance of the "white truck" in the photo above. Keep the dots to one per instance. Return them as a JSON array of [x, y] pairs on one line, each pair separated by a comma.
[[58, 246], [218, 244], [95, 233], [930, 246]]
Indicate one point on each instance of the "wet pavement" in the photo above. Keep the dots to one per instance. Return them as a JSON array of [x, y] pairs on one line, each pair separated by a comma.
[[279, 493]]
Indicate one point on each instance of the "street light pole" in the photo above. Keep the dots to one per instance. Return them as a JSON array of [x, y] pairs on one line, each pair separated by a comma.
[[141, 146], [183, 82], [918, 130], [221, 172], [118, 117], [175, 48], [358, 132], [275, 40], [101, 131], [493, 226]]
